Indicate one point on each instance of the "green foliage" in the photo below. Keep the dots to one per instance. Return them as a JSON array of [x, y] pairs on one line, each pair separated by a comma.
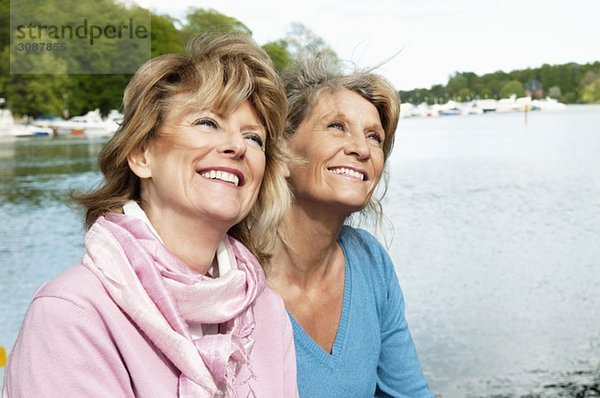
[[301, 41], [166, 39], [199, 20], [4, 23], [464, 94], [75, 93], [277, 50], [554, 92], [568, 83], [60, 90], [455, 84], [513, 87], [591, 87], [87, 92], [36, 94]]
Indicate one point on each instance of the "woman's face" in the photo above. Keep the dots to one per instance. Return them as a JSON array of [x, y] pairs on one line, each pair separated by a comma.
[[205, 166], [341, 141]]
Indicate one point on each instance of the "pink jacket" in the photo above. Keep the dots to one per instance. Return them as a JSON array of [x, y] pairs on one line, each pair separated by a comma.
[[76, 342]]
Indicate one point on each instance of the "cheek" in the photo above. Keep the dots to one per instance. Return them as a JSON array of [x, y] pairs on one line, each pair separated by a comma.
[[300, 145], [298, 179], [378, 166], [258, 166]]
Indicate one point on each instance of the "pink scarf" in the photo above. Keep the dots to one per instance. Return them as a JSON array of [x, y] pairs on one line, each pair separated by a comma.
[[163, 297]]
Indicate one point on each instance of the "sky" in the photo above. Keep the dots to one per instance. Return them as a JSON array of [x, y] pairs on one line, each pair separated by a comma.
[[432, 38]]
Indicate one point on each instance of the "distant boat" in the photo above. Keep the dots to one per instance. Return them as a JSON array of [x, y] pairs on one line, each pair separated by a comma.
[[486, 105], [450, 108], [8, 127], [478, 106], [91, 124], [470, 108], [548, 104]]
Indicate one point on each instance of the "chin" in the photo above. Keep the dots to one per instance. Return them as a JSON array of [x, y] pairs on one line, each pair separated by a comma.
[[353, 201], [229, 219], [350, 206], [225, 216]]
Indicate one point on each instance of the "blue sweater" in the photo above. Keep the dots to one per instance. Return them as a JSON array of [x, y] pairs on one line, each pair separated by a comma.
[[373, 353]]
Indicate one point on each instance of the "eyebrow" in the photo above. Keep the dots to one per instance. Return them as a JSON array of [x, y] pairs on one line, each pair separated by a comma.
[[340, 115], [332, 115], [254, 127], [378, 127]]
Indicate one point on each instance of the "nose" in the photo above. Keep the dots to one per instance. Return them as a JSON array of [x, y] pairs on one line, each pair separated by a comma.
[[358, 147], [233, 146]]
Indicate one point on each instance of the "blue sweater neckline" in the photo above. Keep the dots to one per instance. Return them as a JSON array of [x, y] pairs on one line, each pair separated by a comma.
[[340, 337]]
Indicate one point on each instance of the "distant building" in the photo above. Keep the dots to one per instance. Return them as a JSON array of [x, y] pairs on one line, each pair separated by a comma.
[[534, 89]]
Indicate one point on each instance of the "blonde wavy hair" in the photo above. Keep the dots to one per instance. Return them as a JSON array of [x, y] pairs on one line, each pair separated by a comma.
[[218, 72]]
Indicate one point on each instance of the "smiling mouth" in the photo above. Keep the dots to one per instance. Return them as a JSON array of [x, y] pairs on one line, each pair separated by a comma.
[[221, 176], [348, 172]]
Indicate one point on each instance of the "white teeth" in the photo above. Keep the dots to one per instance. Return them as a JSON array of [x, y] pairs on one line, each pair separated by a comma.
[[221, 175], [348, 172]]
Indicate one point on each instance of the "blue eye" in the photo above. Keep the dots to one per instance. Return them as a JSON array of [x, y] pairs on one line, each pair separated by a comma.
[[255, 139], [206, 122], [336, 125], [375, 137]]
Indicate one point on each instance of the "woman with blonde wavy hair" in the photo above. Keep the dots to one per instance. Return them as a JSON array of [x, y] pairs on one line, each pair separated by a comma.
[[169, 299]]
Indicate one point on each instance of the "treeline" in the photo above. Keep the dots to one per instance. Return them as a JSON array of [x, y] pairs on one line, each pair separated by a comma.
[[569, 83], [70, 94]]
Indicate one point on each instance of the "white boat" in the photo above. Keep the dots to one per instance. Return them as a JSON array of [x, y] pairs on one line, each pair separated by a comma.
[[91, 124], [406, 109], [548, 104], [450, 108], [479, 106], [505, 105], [8, 127], [486, 105], [470, 108], [524, 104]]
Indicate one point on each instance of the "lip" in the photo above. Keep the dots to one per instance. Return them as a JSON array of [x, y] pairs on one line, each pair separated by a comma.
[[362, 171], [230, 170]]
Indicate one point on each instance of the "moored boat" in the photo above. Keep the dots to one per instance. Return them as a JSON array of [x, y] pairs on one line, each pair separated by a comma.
[[91, 124], [8, 127]]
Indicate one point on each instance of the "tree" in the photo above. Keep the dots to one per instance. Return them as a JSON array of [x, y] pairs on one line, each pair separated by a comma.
[[464, 94], [513, 87], [303, 41], [87, 92], [277, 50], [438, 91], [456, 83], [199, 20], [36, 94], [165, 36], [591, 88], [4, 23], [554, 92]]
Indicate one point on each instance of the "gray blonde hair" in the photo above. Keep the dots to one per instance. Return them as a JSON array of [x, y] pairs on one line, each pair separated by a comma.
[[308, 78], [219, 72]]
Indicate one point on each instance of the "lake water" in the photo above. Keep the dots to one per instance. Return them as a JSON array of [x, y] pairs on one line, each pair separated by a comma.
[[496, 241]]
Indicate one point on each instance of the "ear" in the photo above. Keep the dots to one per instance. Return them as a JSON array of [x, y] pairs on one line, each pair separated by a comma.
[[139, 163]]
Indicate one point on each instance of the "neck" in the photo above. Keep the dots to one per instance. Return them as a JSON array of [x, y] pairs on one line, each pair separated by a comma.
[[307, 245], [192, 241]]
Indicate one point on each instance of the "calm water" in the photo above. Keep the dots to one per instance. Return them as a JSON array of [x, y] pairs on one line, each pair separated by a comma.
[[496, 240]]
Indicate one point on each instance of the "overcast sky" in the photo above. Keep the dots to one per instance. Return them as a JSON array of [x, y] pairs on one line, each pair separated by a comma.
[[437, 37]]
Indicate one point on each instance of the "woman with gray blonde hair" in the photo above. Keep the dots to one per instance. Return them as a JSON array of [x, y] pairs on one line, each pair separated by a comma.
[[170, 300], [338, 283]]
